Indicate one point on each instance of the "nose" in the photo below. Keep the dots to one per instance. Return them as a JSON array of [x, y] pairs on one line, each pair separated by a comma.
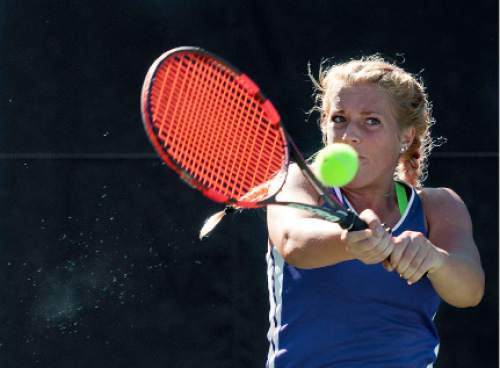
[[351, 134]]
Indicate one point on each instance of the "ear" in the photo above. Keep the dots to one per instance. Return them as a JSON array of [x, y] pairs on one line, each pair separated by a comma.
[[407, 136]]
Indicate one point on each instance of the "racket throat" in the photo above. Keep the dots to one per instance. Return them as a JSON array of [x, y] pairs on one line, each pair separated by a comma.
[[324, 213]]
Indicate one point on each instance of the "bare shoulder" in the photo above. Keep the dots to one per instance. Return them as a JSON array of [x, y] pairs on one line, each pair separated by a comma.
[[446, 214], [441, 200], [297, 187]]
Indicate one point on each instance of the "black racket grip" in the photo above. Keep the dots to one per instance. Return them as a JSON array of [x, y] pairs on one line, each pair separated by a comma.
[[353, 223]]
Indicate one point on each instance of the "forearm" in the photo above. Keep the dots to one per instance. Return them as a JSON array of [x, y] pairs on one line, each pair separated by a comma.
[[313, 243], [459, 281]]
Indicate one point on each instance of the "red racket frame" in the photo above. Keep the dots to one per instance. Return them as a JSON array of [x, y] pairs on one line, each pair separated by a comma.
[[336, 212]]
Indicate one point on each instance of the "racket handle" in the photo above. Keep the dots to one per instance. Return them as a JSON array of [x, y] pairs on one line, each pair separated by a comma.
[[353, 223]]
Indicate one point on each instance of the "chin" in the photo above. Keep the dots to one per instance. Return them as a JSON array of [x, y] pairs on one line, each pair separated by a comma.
[[360, 181], [355, 183]]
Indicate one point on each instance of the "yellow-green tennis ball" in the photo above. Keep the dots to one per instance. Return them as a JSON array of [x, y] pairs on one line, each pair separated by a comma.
[[336, 165]]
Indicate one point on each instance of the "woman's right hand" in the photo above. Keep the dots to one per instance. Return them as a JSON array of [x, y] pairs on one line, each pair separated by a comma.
[[372, 245]]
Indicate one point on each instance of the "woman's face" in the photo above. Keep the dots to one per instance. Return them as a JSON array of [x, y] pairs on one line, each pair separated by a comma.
[[363, 117]]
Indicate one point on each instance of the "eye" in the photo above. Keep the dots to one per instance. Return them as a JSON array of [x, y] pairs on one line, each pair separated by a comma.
[[373, 121], [338, 119]]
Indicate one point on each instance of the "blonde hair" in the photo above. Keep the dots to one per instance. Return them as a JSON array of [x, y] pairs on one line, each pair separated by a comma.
[[410, 104]]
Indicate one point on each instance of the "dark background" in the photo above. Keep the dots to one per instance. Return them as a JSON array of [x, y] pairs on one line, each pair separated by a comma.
[[100, 265]]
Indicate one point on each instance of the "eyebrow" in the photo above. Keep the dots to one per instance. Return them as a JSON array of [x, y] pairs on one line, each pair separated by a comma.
[[370, 113], [341, 111]]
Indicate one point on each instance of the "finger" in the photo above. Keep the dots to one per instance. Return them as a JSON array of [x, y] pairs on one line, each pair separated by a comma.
[[397, 252], [389, 247], [356, 236], [387, 265], [383, 248], [343, 235], [416, 263], [439, 257], [362, 248], [424, 267], [409, 260], [408, 255], [372, 221]]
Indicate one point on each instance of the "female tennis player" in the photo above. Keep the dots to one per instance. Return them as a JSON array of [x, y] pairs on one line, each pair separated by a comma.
[[368, 298]]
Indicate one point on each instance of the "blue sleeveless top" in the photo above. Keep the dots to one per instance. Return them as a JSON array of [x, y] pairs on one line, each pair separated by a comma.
[[351, 314]]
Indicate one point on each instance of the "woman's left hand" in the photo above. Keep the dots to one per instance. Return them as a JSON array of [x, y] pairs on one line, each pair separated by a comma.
[[414, 256]]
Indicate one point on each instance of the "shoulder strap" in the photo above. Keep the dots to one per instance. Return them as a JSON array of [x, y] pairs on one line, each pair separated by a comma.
[[401, 196]]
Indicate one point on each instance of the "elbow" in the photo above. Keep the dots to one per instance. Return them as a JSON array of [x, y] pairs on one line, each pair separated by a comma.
[[467, 303], [292, 252], [479, 292], [474, 296], [476, 301]]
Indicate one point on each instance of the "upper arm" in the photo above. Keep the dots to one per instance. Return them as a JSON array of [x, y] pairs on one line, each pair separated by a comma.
[[296, 189], [302, 238], [449, 221]]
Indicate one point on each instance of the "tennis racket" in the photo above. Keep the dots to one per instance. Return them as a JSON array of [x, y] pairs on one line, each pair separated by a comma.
[[213, 126]]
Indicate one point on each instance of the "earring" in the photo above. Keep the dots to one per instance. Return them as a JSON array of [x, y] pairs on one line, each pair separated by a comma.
[[403, 148]]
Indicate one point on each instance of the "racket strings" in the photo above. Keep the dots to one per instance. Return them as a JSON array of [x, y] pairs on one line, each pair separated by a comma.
[[212, 127], [191, 155], [240, 145]]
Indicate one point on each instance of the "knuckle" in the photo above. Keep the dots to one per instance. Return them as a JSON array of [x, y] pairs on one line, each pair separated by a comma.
[[366, 260], [408, 272], [369, 217], [344, 236], [366, 215], [414, 279], [397, 253], [381, 249], [389, 241], [418, 276], [404, 242], [370, 245], [402, 266], [384, 237], [393, 260], [415, 263], [416, 235], [412, 251], [387, 252]]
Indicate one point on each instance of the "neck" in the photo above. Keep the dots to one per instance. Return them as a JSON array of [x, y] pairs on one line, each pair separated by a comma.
[[380, 198]]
